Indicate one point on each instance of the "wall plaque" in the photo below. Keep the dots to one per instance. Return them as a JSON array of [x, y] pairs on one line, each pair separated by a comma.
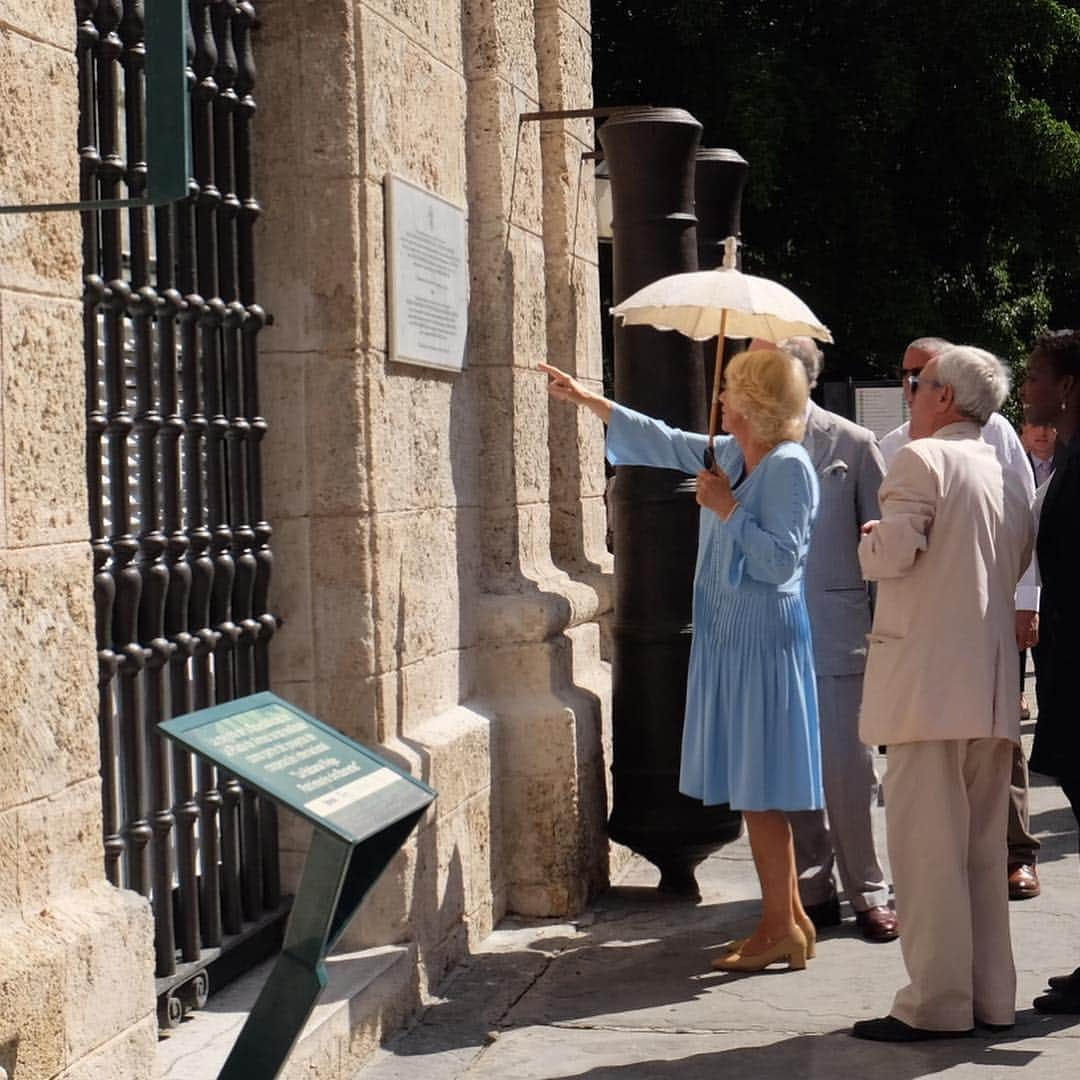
[[427, 277]]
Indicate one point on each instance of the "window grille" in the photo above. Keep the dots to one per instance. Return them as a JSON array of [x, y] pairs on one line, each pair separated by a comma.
[[180, 542]]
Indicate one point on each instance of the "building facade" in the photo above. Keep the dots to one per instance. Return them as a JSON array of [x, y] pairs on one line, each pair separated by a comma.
[[439, 569]]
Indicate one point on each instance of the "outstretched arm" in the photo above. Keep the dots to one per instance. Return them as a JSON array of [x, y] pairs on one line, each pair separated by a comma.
[[565, 387], [632, 437]]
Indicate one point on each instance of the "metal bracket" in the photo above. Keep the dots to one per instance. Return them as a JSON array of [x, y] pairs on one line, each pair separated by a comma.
[[601, 113], [168, 117]]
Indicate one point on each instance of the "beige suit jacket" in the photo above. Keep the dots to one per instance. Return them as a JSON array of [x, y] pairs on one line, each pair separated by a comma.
[[954, 537]]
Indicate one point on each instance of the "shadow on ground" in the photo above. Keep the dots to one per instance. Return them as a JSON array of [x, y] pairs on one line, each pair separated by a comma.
[[836, 1054]]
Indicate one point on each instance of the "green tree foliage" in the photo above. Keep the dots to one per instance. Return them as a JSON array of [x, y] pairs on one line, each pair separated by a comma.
[[914, 166]]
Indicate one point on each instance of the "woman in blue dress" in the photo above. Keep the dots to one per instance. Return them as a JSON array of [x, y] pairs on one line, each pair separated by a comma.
[[750, 736]]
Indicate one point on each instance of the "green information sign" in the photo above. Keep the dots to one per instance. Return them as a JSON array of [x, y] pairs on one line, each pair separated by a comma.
[[363, 809], [303, 764]]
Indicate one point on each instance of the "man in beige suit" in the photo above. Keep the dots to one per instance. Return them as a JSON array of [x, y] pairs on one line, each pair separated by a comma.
[[940, 692]]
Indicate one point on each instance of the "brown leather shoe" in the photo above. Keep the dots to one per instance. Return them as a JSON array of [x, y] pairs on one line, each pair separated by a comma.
[[878, 923], [1023, 881]]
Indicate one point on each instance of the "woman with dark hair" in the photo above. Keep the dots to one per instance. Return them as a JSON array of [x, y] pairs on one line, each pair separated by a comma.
[[1051, 395], [751, 736]]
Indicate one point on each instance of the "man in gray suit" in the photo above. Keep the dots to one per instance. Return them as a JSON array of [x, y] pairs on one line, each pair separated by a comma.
[[850, 470]]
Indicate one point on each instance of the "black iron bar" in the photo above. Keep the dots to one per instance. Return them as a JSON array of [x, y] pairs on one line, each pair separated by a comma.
[[201, 565], [650, 153], [150, 561], [96, 424], [264, 622], [128, 582], [210, 334], [185, 808]]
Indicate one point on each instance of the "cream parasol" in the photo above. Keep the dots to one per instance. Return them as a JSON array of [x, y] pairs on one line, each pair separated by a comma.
[[722, 303]]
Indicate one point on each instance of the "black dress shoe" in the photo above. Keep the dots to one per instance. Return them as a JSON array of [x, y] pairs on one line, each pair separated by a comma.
[[825, 914], [1070, 984], [878, 923], [889, 1029], [1060, 1002]]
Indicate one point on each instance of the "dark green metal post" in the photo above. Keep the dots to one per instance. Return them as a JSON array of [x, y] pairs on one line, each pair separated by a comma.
[[168, 117], [337, 875]]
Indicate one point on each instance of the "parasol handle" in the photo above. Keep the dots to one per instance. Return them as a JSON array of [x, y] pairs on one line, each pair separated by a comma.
[[718, 373]]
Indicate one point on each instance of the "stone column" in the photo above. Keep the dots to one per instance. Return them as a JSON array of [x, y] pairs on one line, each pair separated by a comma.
[[312, 387], [564, 62], [575, 439], [76, 955], [539, 674]]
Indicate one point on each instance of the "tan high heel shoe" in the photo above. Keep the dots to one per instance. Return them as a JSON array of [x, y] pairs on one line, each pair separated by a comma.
[[791, 948], [738, 944]]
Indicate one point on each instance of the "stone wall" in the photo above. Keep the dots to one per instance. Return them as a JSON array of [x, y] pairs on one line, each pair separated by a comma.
[[439, 559], [439, 563], [76, 956]]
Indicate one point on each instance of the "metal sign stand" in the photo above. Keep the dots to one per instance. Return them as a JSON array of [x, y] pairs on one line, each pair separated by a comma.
[[337, 876]]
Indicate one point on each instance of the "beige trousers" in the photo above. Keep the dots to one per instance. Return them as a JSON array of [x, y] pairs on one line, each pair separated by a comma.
[[946, 805]]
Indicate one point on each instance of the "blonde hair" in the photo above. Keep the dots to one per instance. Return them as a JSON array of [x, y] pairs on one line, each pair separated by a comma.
[[770, 388]]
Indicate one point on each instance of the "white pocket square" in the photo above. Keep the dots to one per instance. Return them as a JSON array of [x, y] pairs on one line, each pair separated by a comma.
[[837, 466]]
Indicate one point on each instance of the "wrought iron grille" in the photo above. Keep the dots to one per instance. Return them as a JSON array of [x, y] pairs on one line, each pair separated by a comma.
[[180, 543]]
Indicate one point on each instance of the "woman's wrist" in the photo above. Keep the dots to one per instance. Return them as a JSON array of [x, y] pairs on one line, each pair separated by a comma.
[[598, 405]]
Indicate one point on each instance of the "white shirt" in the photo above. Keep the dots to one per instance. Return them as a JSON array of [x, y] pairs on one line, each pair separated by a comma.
[[999, 433], [1044, 468]]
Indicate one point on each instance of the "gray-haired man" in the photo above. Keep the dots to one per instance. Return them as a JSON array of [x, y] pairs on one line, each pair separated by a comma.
[[941, 690], [998, 432]]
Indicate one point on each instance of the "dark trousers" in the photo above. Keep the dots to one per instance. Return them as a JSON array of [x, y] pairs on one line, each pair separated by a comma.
[[1023, 847]]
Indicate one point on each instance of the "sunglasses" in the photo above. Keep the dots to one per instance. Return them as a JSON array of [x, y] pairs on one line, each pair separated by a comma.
[[915, 380]]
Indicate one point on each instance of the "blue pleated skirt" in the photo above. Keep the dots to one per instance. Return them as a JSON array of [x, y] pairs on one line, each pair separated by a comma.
[[751, 734]]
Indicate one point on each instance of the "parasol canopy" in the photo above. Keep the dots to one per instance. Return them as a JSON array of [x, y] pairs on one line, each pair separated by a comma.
[[722, 303]]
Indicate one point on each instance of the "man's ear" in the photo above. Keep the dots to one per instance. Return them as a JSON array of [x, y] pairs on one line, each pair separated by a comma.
[[947, 398]]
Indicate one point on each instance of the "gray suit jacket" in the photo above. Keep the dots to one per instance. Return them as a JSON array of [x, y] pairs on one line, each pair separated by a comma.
[[850, 469]]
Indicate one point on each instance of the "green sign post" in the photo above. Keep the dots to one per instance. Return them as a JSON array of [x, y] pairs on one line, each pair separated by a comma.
[[168, 117], [362, 809]]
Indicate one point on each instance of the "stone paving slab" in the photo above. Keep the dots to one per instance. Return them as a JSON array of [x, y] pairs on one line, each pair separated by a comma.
[[626, 991], [553, 1054]]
